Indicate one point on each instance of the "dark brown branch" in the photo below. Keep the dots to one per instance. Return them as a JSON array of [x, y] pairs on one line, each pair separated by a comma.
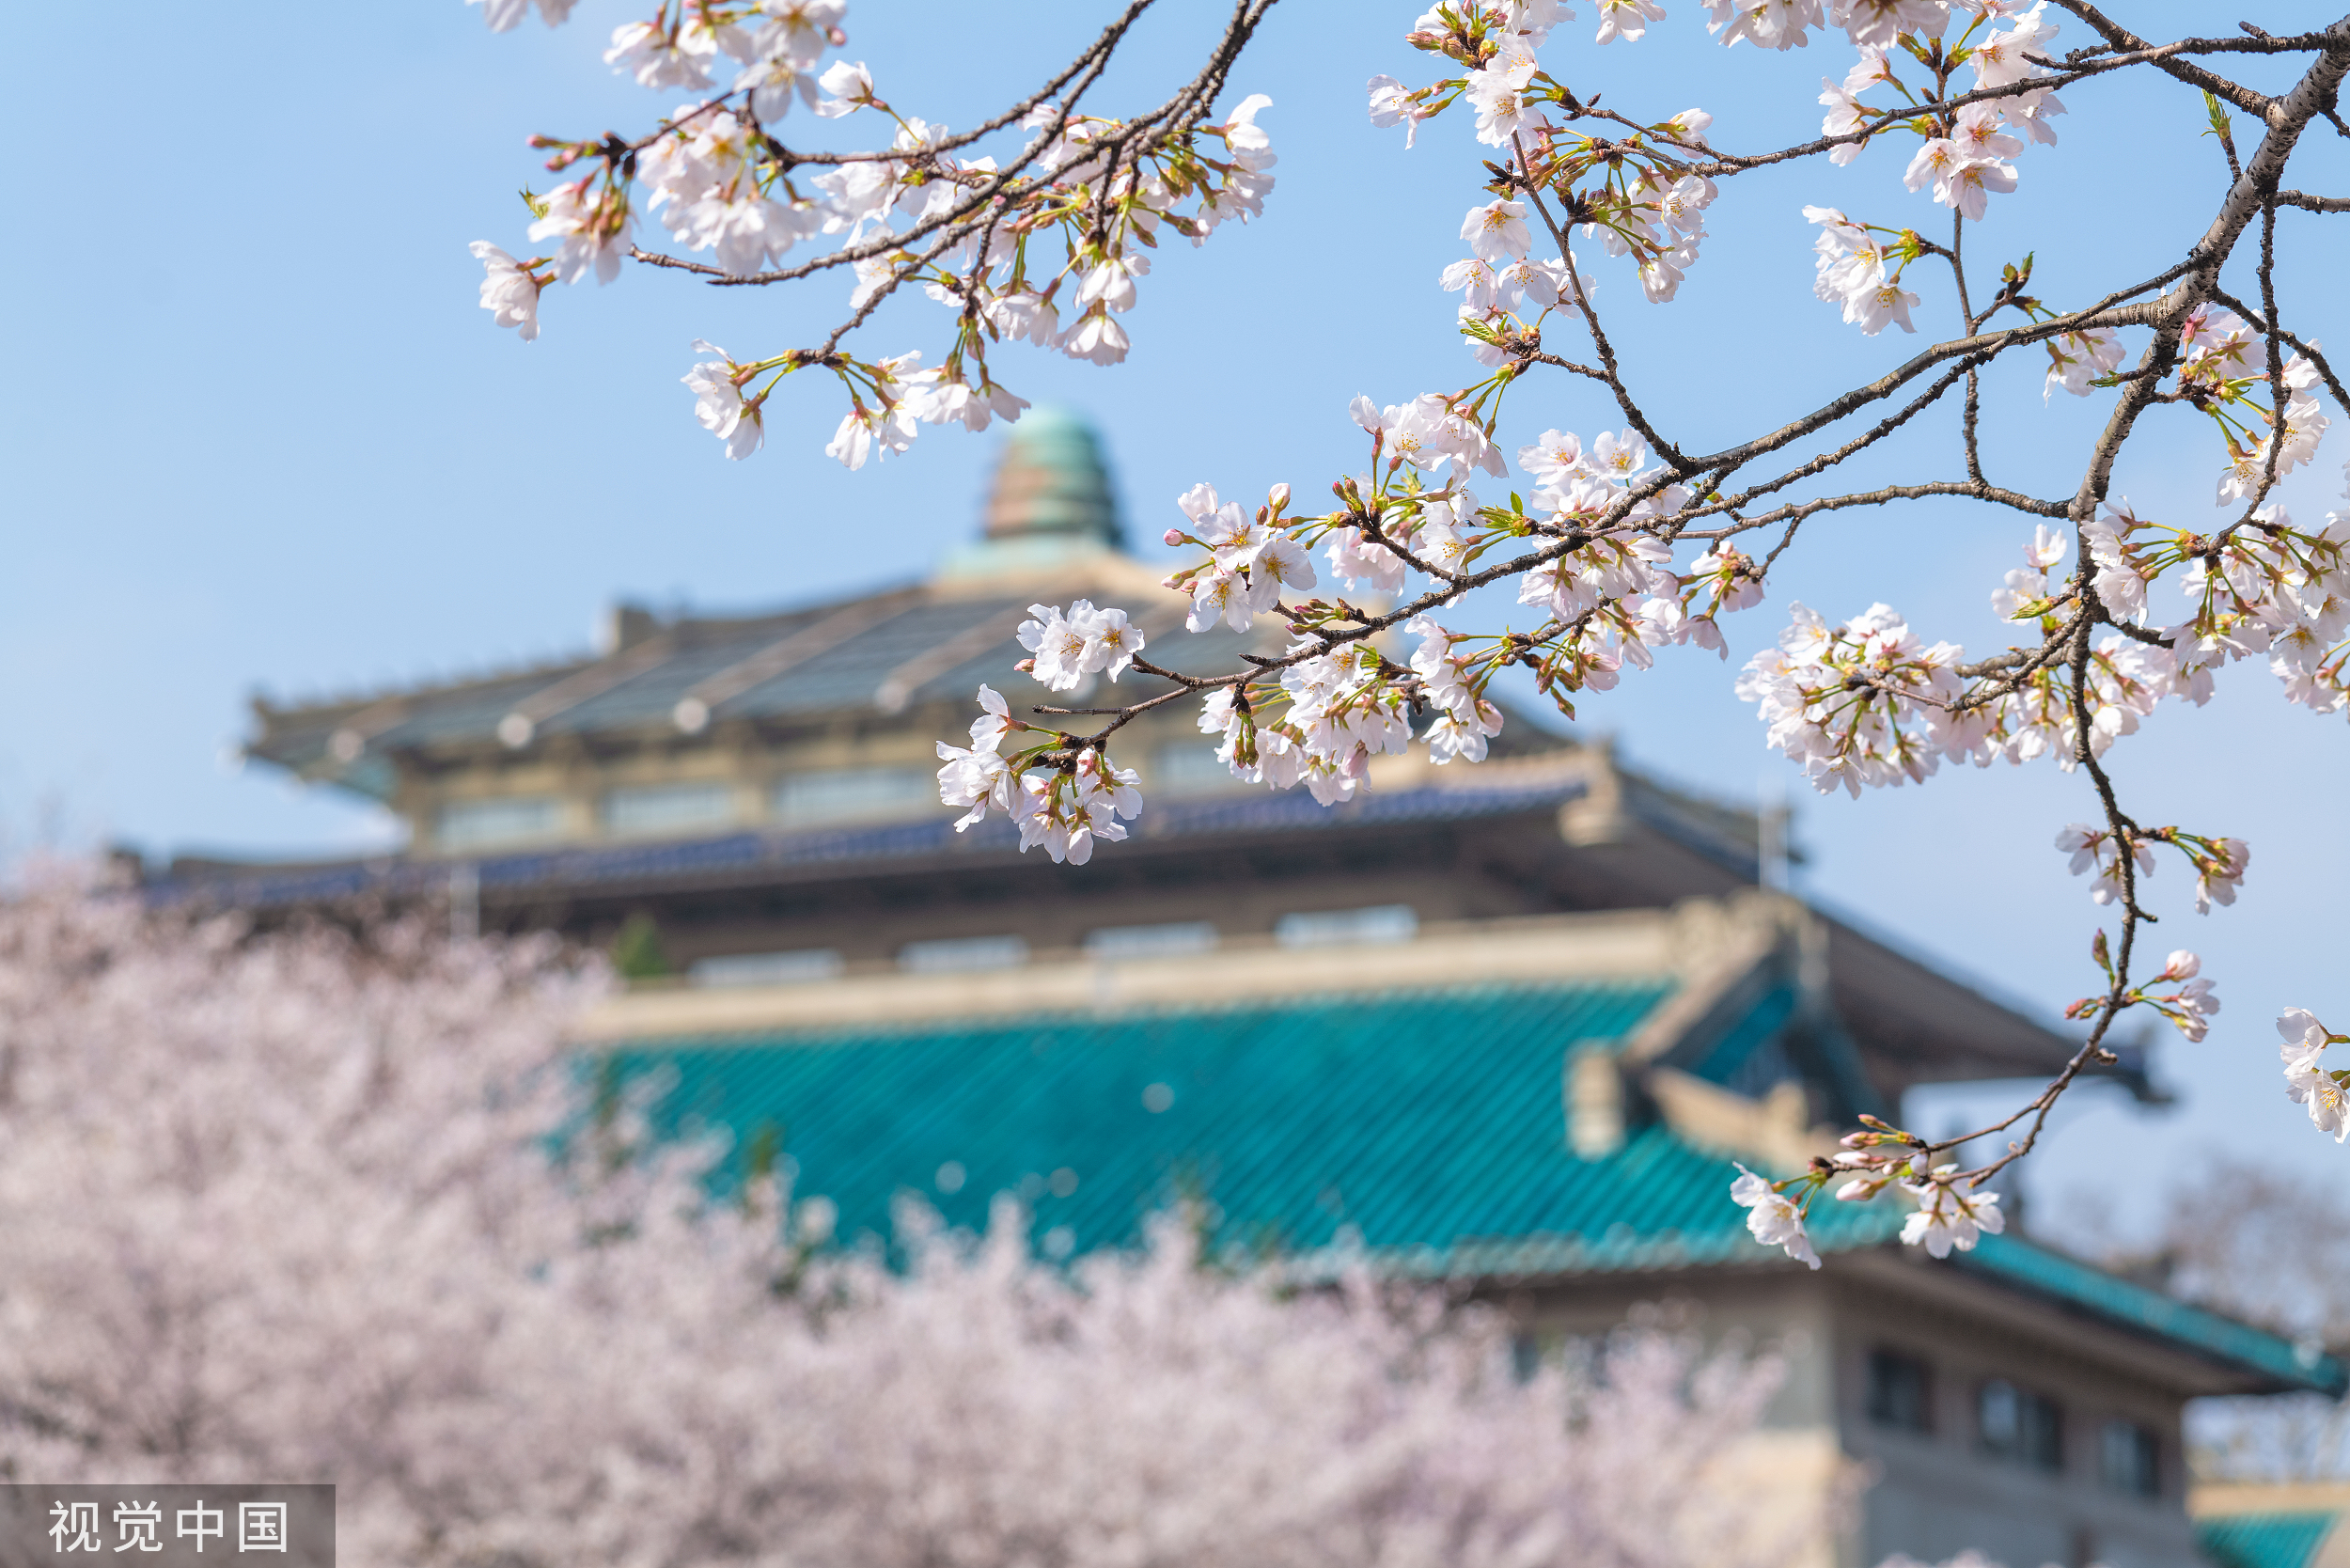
[[2260, 105], [2287, 118]]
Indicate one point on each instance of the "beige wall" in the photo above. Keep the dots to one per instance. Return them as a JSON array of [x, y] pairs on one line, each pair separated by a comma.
[[1937, 1493], [1930, 1494]]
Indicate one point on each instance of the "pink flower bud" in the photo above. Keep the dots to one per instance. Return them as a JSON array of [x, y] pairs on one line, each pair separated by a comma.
[[1173, 536], [1279, 497]]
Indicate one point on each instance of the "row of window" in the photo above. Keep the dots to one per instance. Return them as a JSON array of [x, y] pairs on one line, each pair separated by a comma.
[[2017, 1424], [829, 797], [804, 800], [1109, 944]]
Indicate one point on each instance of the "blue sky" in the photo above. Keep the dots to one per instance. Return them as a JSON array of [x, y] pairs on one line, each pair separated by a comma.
[[261, 437]]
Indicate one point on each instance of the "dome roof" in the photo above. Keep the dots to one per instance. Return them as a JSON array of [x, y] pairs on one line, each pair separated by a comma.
[[1051, 481]]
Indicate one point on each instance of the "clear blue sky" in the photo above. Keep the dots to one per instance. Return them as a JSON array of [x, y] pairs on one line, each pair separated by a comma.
[[258, 437]]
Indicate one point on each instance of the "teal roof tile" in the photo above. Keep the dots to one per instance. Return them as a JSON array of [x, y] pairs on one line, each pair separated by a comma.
[[1429, 1126], [2264, 1539]]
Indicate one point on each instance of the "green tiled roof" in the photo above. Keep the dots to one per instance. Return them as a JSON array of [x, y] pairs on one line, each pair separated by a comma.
[[1428, 1126], [2020, 1262], [2264, 1539]]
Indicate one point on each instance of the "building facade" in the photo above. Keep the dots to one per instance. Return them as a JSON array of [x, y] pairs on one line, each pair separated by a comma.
[[1508, 1027]]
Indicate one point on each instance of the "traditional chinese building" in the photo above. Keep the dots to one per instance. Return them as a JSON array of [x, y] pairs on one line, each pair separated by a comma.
[[1507, 1025]]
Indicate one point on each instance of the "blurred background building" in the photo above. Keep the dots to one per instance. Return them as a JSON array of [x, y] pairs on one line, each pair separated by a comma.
[[1505, 1025]]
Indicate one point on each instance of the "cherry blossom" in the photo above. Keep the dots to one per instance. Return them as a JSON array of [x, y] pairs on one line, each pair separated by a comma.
[[504, 15], [719, 404], [676, 55], [1947, 1219], [1864, 702], [1772, 1219], [348, 1207], [509, 290], [2093, 847], [1069, 646], [2324, 1091], [2189, 1006], [1049, 227], [593, 226], [1495, 232], [1392, 103]]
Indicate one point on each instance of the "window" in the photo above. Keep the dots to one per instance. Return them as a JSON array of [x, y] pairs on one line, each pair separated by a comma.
[[964, 952], [1900, 1392], [1190, 768], [484, 823], [2017, 1424], [789, 968], [1386, 922], [1112, 944], [2130, 1456], [652, 808], [854, 796]]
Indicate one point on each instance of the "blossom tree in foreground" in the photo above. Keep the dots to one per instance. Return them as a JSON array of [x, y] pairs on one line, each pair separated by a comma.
[[294, 1205], [1619, 541]]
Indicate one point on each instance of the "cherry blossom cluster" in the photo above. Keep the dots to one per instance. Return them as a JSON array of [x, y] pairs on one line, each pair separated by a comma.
[[1950, 1212], [2261, 586], [1962, 156], [2188, 1003], [1249, 561], [1639, 195], [1604, 595], [1964, 153], [1864, 702], [1860, 703], [2223, 371], [300, 1203], [2220, 863], [1617, 547], [1046, 248], [2325, 1090], [1060, 795]]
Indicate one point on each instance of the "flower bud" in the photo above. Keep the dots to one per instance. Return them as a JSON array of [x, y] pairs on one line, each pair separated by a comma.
[[1173, 536], [1279, 497]]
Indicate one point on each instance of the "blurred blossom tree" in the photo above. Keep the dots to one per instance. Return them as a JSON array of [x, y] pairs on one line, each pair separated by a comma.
[[1037, 224], [2272, 1251], [307, 1204]]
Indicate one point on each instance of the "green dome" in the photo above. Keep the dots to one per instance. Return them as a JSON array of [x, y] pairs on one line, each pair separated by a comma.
[[1051, 481]]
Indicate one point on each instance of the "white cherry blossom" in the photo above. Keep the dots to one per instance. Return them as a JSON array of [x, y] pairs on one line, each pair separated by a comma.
[[504, 15], [510, 290], [1948, 1219], [593, 226], [1772, 1219], [847, 89]]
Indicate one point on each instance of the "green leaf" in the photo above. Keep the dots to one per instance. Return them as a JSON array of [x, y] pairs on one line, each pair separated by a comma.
[[2217, 117]]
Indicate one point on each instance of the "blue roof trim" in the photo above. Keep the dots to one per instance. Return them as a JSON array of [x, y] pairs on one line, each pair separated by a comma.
[[2015, 1261], [739, 853], [2264, 1540]]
